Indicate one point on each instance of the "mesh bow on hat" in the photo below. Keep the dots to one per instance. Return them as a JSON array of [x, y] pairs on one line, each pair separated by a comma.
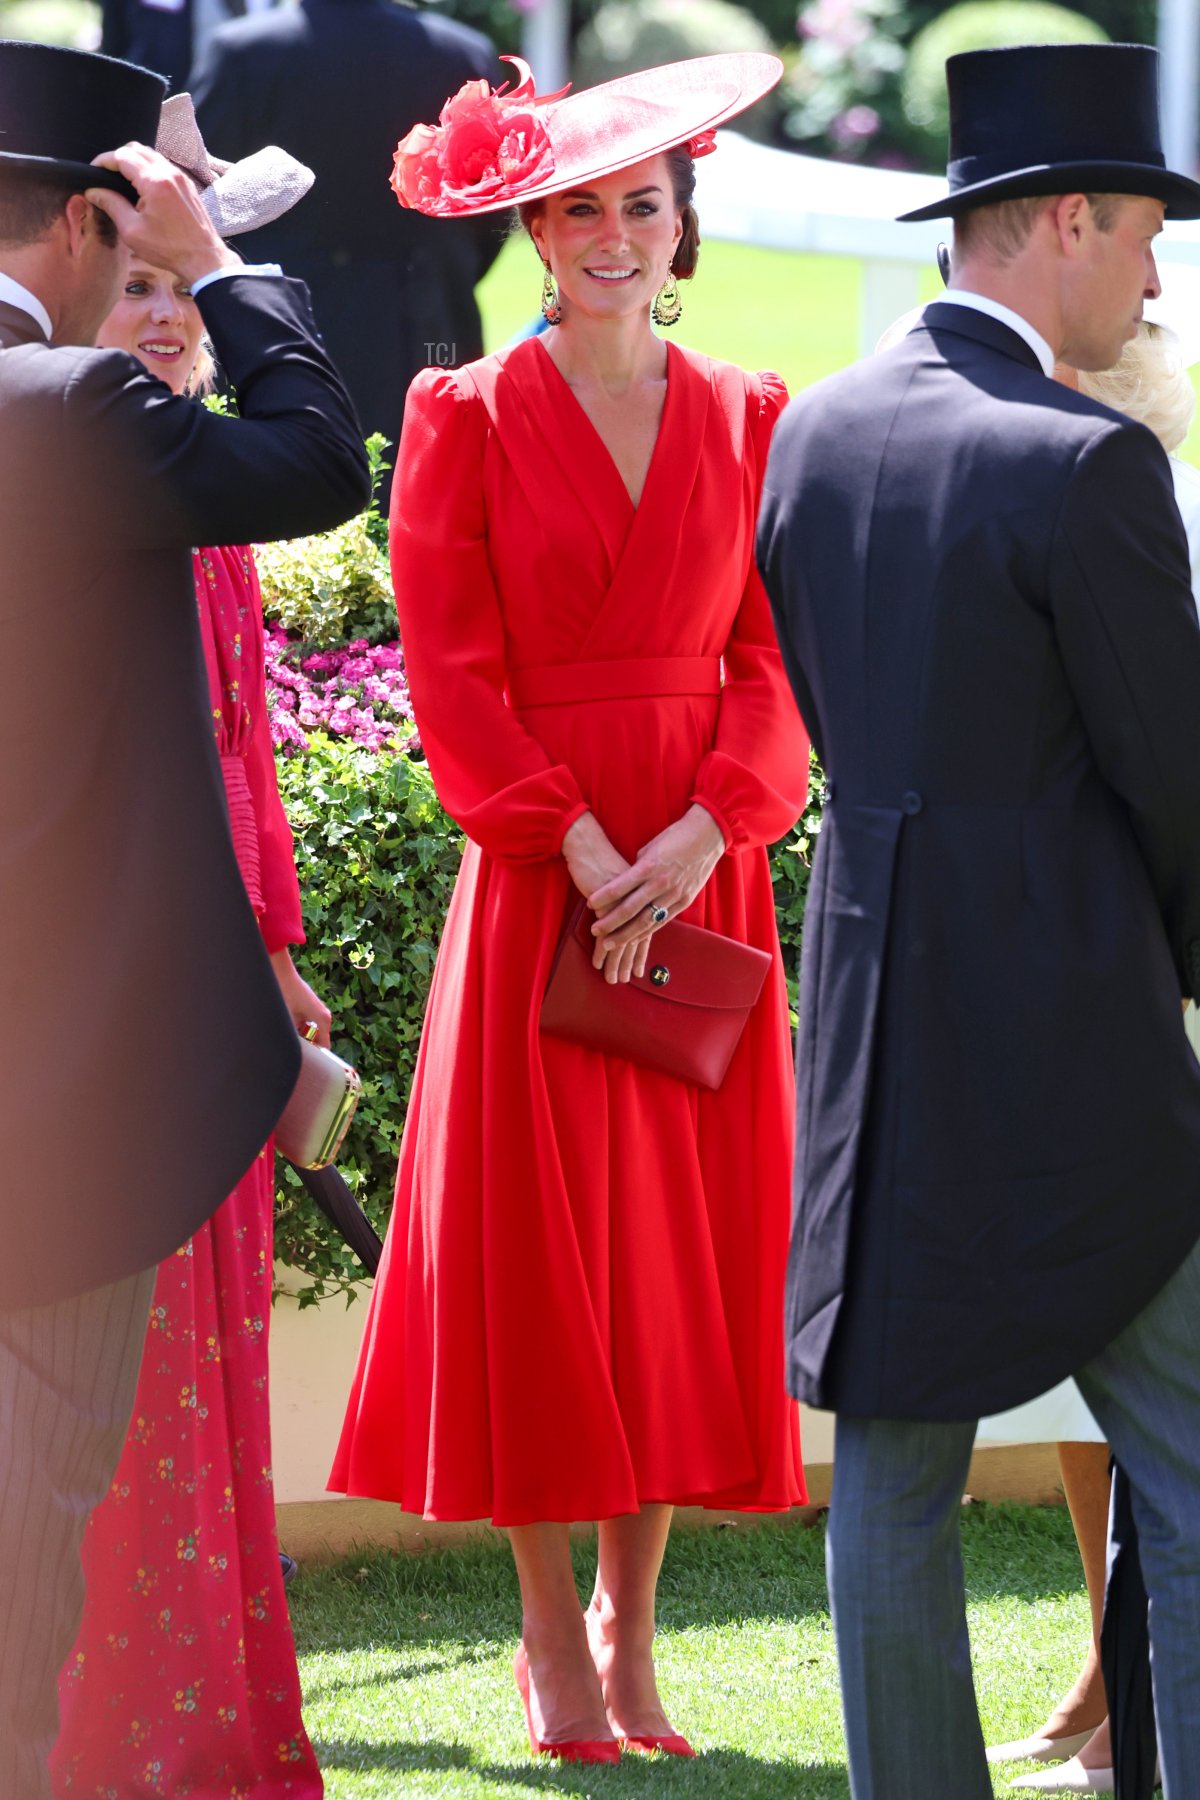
[[238, 196]]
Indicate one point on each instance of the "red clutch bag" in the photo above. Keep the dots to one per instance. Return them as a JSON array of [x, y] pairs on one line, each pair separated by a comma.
[[683, 1017]]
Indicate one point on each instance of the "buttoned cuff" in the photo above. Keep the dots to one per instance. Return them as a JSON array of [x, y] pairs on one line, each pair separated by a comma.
[[240, 269]]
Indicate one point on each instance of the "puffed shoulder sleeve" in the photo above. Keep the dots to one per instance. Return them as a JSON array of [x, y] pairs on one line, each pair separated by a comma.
[[490, 774], [755, 779]]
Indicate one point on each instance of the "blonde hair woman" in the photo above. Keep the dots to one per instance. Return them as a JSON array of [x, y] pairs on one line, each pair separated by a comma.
[[1151, 384]]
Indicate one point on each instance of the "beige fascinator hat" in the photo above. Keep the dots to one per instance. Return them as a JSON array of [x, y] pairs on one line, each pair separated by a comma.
[[238, 196]]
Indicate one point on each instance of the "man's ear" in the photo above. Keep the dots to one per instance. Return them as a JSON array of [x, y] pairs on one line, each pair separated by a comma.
[[1072, 217], [83, 223], [76, 223]]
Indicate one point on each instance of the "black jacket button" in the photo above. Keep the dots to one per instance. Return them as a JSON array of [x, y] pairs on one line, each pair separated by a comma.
[[912, 802]]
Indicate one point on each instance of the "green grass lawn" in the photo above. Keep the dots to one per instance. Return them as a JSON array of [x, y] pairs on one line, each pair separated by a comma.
[[405, 1662], [764, 309]]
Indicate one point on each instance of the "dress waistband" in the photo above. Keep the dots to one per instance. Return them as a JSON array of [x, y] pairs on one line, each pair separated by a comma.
[[636, 678]]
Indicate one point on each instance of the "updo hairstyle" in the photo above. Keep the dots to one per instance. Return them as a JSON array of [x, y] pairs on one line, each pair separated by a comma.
[[683, 187], [1149, 383]]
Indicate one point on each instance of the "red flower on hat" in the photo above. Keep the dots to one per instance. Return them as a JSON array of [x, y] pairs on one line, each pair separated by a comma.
[[486, 145]]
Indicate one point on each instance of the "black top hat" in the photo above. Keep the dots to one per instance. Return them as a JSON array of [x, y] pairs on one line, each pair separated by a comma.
[[1056, 119], [59, 108]]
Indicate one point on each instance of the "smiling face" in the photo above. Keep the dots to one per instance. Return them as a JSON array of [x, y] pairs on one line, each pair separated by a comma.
[[1108, 282], [609, 244], [157, 320]]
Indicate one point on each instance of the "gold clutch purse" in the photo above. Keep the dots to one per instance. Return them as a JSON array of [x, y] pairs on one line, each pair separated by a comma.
[[316, 1118]]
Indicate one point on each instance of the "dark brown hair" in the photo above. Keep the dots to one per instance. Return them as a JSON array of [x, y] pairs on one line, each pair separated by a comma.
[[30, 206], [683, 185], [1002, 230], [682, 170]]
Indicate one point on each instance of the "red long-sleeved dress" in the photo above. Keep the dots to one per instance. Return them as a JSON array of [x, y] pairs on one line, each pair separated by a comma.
[[580, 1303], [183, 1677]]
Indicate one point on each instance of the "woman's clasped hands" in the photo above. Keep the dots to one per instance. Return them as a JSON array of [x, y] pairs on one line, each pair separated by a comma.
[[631, 900]]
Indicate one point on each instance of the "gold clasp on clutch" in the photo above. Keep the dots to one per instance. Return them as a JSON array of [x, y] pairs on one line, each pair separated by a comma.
[[660, 974]]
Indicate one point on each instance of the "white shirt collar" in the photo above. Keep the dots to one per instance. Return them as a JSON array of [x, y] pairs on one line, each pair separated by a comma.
[[25, 302], [1006, 316]]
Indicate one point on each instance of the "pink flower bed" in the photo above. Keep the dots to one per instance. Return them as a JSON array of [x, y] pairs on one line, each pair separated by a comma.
[[357, 691]]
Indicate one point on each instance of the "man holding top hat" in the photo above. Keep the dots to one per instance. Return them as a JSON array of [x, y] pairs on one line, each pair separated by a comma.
[[981, 585], [147, 1051]]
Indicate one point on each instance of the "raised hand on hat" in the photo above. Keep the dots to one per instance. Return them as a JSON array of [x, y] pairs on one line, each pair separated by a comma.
[[168, 228]]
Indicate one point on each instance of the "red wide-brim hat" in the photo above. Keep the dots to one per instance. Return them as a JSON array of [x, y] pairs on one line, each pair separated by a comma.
[[491, 150]]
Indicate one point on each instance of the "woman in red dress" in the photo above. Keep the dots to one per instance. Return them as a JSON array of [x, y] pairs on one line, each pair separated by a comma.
[[183, 1678], [579, 1311]]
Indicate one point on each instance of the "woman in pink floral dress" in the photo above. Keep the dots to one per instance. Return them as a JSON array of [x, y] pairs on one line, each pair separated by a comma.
[[183, 1679]]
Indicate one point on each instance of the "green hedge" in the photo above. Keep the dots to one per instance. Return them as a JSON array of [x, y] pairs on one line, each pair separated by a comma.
[[377, 859], [627, 35], [979, 25], [72, 23]]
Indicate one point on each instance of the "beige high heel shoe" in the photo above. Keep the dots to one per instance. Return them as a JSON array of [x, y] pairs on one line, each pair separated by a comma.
[[1041, 1749], [1071, 1778]]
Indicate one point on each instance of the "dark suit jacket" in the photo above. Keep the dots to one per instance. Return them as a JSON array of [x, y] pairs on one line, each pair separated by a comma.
[[149, 36], [338, 83], [146, 1054], [982, 591]]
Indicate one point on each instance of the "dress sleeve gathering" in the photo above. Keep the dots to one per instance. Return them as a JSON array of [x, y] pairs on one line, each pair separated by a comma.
[[754, 781], [280, 920], [491, 776]]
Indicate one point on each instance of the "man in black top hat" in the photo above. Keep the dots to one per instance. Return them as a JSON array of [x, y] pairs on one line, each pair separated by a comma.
[[981, 586], [146, 1049], [338, 83]]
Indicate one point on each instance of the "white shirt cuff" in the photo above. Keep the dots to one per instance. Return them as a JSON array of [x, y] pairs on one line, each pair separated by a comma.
[[238, 269]]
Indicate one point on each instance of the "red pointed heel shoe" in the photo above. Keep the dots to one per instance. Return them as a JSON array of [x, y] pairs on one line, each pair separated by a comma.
[[671, 1745], [583, 1750]]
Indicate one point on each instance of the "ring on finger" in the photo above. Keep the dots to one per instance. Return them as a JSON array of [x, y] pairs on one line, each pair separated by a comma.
[[658, 914]]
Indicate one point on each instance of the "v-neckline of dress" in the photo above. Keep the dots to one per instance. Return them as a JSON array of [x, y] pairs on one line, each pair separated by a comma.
[[557, 376], [559, 456]]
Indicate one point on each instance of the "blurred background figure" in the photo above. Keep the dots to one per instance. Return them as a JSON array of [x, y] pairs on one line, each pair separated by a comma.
[[166, 35], [338, 82]]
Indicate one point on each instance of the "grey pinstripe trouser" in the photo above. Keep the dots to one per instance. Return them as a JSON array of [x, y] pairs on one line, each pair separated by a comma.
[[896, 1574], [68, 1376]]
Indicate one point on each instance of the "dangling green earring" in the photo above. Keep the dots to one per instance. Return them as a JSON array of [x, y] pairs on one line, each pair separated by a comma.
[[667, 303], [551, 308]]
